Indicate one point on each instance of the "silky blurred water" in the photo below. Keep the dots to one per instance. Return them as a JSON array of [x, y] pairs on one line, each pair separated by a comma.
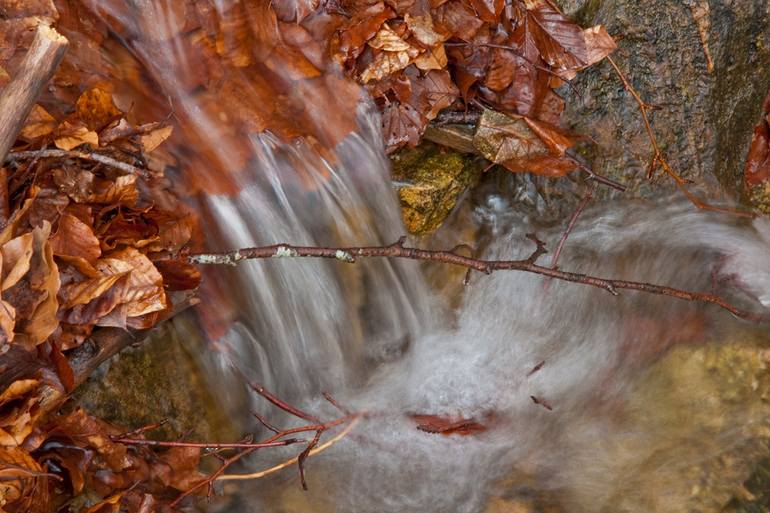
[[371, 333]]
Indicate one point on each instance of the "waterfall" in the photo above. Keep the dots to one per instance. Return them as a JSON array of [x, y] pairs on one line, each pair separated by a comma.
[[552, 370]]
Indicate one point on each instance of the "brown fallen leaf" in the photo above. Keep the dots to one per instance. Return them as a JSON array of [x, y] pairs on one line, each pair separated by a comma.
[[38, 123], [71, 136], [74, 238], [522, 144], [95, 109], [17, 254]]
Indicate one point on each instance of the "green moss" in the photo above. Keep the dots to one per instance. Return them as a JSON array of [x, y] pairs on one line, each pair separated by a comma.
[[158, 381]]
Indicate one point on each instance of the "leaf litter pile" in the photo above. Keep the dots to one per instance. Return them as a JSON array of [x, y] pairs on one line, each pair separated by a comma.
[[93, 234]]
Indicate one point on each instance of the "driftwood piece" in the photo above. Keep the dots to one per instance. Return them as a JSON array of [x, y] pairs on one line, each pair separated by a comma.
[[18, 97]]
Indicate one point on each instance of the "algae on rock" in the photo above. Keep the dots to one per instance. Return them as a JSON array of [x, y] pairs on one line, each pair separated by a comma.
[[429, 180]]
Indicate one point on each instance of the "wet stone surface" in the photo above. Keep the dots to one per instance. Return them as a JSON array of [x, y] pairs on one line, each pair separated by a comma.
[[705, 120]]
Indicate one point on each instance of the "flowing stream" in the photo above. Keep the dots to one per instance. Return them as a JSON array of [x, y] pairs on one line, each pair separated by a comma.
[[558, 374]]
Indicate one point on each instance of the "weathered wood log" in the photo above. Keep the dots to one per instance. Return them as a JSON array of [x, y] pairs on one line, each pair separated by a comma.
[[18, 97]]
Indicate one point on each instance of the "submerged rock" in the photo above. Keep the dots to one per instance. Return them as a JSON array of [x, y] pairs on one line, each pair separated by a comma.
[[429, 181]]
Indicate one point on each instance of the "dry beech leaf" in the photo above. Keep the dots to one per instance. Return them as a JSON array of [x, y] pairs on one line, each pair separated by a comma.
[[387, 63], [155, 138], [143, 292], [560, 41], [423, 30], [74, 238], [522, 145], [599, 43], [71, 136], [96, 109], [18, 476], [362, 27], [433, 58], [44, 277], [39, 123], [386, 39], [83, 292], [84, 187], [7, 321], [17, 254]]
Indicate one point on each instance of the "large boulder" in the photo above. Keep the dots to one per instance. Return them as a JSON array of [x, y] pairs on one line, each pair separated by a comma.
[[705, 120]]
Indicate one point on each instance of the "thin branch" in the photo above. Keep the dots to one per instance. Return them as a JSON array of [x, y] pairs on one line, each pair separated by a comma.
[[398, 250], [573, 220], [207, 445], [94, 157], [658, 157], [262, 473]]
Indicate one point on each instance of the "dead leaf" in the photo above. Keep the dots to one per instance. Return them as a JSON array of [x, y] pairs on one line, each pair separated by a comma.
[[423, 30], [96, 109], [71, 136], [387, 63], [17, 254], [386, 39], [155, 138], [433, 58], [38, 123], [522, 145], [74, 238]]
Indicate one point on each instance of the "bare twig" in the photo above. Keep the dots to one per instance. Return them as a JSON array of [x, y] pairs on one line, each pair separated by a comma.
[[659, 158], [262, 473], [398, 250], [579, 210], [207, 445], [94, 157]]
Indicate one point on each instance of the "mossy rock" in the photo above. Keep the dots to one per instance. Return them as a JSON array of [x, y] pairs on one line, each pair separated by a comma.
[[429, 180], [159, 380]]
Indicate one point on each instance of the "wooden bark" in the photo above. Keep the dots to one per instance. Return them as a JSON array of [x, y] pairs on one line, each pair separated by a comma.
[[18, 97]]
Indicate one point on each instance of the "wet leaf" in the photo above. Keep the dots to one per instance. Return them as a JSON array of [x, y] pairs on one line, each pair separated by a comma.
[[402, 124], [178, 274], [74, 238], [522, 144]]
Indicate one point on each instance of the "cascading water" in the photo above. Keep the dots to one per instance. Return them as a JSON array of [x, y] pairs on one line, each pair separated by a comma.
[[369, 333]]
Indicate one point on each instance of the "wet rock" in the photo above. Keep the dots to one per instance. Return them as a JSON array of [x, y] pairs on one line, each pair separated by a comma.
[[712, 403], [705, 120], [429, 181], [159, 380]]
